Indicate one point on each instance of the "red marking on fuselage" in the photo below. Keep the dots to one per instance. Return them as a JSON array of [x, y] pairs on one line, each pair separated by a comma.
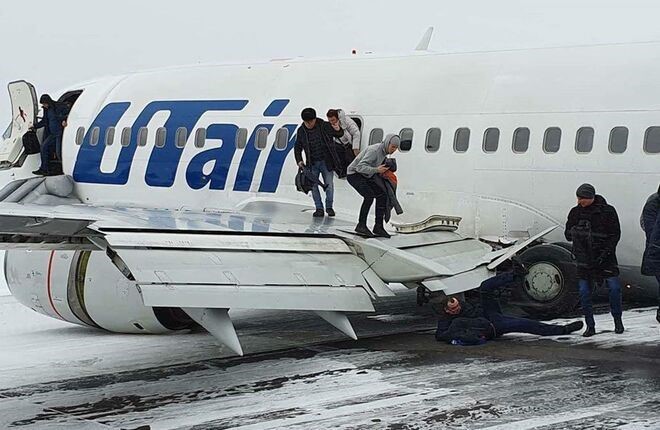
[[22, 113], [50, 297]]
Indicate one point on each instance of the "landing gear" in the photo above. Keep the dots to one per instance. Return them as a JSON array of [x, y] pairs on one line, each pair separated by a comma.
[[550, 287]]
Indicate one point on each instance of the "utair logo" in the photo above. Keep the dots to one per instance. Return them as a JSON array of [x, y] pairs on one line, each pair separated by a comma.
[[164, 161]]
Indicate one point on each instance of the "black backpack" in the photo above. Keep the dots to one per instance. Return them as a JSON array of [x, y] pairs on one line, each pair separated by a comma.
[[31, 142]]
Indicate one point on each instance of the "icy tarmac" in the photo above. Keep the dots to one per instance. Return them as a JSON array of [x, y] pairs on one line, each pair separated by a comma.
[[300, 373]]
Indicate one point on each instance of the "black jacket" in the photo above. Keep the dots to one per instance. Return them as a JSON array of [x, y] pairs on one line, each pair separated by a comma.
[[651, 225], [52, 120], [470, 331], [595, 233], [332, 160]]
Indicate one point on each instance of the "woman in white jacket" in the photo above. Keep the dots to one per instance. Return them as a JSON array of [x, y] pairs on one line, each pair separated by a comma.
[[351, 130]]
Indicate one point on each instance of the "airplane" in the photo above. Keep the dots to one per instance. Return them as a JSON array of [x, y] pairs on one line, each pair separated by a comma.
[[178, 203]]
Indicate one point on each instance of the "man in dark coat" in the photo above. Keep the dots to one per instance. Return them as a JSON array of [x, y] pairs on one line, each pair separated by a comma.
[[315, 138], [53, 121], [468, 323], [651, 226], [593, 227]]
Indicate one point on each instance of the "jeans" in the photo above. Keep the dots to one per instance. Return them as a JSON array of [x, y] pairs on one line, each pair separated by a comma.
[[319, 168], [53, 143], [614, 286], [369, 190], [507, 324]]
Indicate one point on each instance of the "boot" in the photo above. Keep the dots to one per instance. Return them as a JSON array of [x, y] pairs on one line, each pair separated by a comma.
[[657, 316], [330, 211], [618, 325], [590, 331], [318, 213], [379, 231], [363, 230], [574, 326]]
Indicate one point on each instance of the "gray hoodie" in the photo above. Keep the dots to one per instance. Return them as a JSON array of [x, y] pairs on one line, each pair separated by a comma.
[[368, 161]]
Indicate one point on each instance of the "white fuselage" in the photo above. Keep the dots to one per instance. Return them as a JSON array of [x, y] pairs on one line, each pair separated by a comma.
[[500, 193]]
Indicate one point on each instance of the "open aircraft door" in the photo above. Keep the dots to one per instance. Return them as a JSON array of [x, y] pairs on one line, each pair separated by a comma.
[[23, 114]]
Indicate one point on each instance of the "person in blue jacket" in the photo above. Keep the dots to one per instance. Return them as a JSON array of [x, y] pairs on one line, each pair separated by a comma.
[[53, 123], [464, 323], [651, 227]]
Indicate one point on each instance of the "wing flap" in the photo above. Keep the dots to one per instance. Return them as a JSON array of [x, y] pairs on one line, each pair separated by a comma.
[[273, 297]]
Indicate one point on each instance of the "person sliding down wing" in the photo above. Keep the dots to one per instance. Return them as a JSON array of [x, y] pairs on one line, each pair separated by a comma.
[[361, 175]]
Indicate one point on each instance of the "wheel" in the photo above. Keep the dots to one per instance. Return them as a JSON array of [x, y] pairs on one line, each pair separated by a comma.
[[550, 287]]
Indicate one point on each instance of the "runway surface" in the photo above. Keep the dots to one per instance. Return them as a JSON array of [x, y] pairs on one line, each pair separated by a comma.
[[300, 373]]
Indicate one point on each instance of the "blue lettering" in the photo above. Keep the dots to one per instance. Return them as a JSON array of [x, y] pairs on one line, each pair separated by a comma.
[[249, 161], [275, 162], [220, 156]]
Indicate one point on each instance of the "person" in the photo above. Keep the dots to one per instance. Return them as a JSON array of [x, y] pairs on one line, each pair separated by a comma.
[[351, 136], [314, 138], [593, 227], [651, 227], [53, 123], [361, 172], [465, 323]]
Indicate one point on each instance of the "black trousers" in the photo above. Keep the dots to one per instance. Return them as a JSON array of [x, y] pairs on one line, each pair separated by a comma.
[[370, 191]]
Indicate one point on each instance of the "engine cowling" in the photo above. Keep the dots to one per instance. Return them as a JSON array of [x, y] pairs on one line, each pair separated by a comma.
[[85, 288]]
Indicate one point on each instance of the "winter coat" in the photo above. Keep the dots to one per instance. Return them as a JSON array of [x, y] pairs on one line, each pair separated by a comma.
[[595, 233], [52, 119], [651, 226], [467, 331], [351, 134], [332, 160]]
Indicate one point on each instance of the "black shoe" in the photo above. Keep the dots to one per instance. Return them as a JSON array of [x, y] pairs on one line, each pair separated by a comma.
[[379, 231], [618, 326], [590, 331], [657, 316], [330, 211], [363, 230], [40, 172], [574, 326], [318, 213]]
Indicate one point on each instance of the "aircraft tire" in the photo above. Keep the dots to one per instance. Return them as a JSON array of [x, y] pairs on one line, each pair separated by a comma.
[[551, 284]]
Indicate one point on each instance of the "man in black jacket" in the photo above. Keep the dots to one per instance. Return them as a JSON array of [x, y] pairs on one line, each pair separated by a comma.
[[651, 227], [474, 323], [314, 137], [53, 122], [593, 227]]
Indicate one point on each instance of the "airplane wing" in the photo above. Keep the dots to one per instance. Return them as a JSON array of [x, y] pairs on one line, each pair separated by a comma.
[[265, 255]]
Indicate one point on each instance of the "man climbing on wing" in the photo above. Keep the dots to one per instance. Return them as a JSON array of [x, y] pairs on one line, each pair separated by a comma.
[[466, 323]]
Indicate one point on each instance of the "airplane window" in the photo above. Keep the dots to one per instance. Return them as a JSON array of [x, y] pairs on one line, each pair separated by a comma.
[[618, 140], [358, 121], [109, 136], [94, 138], [491, 140], [80, 135], [181, 136], [433, 139], [462, 139], [406, 135], [521, 140], [126, 136], [652, 140], [376, 136], [281, 139], [241, 138], [262, 138], [584, 140], [200, 137], [142, 136], [161, 134], [552, 140]]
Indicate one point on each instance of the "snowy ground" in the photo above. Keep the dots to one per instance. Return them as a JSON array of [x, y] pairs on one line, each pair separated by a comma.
[[299, 373]]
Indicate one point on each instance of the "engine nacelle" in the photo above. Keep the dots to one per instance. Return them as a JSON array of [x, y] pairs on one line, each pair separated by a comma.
[[84, 287]]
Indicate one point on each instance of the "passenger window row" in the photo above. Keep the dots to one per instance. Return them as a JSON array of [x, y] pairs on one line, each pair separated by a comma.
[[181, 137], [584, 139]]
